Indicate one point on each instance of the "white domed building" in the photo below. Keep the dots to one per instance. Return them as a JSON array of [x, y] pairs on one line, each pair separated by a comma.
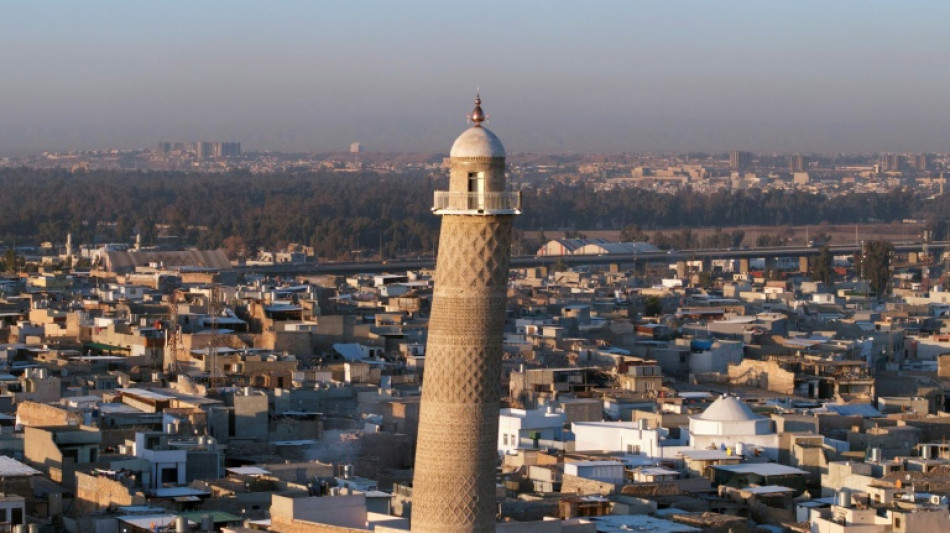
[[728, 423]]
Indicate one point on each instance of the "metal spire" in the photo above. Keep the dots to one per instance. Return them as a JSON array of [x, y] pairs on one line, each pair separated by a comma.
[[477, 115]]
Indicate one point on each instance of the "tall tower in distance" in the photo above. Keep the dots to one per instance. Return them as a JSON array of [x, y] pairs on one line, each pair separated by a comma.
[[739, 160], [456, 450]]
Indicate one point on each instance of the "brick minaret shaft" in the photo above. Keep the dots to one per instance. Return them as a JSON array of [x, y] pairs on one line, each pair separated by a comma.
[[456, 451]]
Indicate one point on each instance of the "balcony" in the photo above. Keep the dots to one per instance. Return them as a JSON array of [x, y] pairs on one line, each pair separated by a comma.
[[474, 203]]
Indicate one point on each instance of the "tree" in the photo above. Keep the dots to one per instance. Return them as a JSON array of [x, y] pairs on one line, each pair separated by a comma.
[[821, 237], [10, 261], [704, 279], [737, 236], [652, 306], [821, 266], [662, 240], [767, 240], [633, 233], [234, 247], [718, 239], [876, 265], [686, 239]]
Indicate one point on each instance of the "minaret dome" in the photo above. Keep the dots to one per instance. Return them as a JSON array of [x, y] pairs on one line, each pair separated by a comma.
[[477, 141]]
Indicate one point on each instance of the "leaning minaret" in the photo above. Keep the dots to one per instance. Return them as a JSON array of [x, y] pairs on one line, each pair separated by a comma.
[[456, 452]]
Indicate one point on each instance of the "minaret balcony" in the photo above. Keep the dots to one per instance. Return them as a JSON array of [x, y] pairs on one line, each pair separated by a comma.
[[477, 203]]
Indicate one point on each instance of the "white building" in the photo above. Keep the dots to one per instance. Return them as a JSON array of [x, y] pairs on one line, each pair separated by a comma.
[[167, 464], [917, 512], [528, 425], [728, 423], [606, 471], [627, 437]]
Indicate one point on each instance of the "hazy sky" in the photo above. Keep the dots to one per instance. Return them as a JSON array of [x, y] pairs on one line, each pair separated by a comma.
[[606, 76]]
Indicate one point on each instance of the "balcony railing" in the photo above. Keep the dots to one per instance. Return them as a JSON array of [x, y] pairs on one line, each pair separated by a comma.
[[474, 203]]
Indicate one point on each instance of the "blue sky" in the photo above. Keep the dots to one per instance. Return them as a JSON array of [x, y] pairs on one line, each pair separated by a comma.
[[606, 76]]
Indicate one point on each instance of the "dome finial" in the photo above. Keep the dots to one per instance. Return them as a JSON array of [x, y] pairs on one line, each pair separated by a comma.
[[478, 116]]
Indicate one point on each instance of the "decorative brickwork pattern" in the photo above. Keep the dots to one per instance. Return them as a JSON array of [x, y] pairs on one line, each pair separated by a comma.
[[456, 451]]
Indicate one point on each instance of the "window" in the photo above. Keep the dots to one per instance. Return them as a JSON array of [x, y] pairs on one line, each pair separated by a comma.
[[505, 440], [170, 475]]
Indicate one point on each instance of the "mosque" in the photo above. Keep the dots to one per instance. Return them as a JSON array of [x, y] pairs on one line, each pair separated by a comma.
[[729, 424]]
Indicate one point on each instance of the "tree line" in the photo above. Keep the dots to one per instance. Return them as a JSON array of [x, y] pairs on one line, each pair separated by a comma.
[[339, 214]]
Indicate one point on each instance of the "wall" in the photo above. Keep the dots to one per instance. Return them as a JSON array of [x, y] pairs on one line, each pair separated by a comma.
[[615, 436], [547, 526], [762, 374], [582, 486], [318, 514], [39, 414], [845, 474], [768, 443], [795, 423], [41, 452], [203, 465], [250, 416], [270, 374], [98, 492], [48, 389]]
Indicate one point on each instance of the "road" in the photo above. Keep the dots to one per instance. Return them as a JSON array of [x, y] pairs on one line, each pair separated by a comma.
[[524, 261]]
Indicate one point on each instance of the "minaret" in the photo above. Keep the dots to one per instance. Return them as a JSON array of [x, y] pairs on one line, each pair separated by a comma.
[[456, 451]]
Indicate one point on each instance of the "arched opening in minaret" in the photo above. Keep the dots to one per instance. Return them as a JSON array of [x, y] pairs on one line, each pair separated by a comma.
[[476, 189]]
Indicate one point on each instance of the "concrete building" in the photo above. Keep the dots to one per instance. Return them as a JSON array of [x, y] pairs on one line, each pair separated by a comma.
[[528, 426], [739, 160], [250, 415], [12, 511], [454, 480], [58, 450], [626, 437], [167, 464]]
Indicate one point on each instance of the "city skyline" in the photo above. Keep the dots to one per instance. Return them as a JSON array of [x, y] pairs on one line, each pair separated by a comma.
[[615, 77]]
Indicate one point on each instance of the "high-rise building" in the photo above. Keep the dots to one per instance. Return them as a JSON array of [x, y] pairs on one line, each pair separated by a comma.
[[204, 149], [920, 162], [796, 163], [456, 451], [227, 149], [739, 160], [893, 162]]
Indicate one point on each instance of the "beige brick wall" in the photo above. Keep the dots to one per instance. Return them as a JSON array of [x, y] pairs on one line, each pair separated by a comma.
[[39, 414], [96, 492], [762, 374]]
